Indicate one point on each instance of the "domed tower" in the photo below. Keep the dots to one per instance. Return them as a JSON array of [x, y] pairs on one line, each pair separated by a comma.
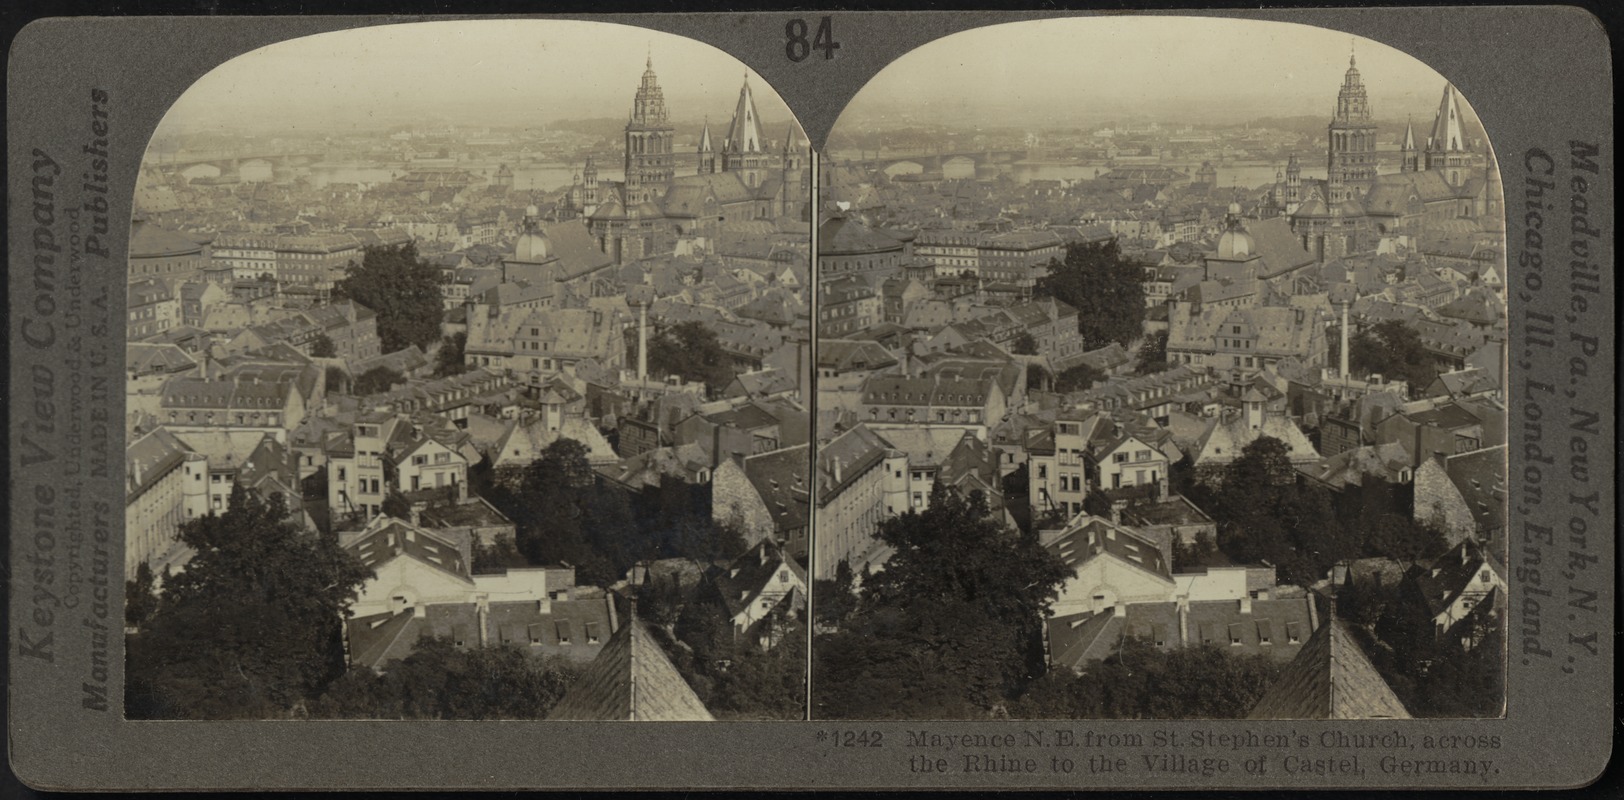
[[1235, 244], [533, 246], [649, 165], [1351, 149]]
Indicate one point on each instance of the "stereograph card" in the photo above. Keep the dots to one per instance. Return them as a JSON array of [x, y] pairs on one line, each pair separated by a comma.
[[837, 399]]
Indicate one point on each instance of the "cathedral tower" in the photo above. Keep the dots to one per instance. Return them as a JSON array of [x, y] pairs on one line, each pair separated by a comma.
[[1351, 149], [743, 150], [1446, 147], [649, 165]]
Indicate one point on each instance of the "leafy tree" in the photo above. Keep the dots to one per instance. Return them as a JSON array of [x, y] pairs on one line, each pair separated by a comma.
[[1153, 354], [1106, 289], [140, 597], [1016, 488], [449, 360], [252, 627], [396, 505], [441, 681], [404, 291], [497, 556], [835, 599], [1077, 379], [1389, 348], [689, 350], [322, 347], [376, 380], [337, 380], [1266, 516], [1140, 681], [764, 684], [1025, 344], [1194, 554], [951, 627], [1433, 676]]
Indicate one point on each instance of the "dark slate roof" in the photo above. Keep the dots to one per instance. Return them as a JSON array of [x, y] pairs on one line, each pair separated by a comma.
[[150, 241], [631, 680], [1096, 536], [840, 235], [752, 572], [1331, 678]]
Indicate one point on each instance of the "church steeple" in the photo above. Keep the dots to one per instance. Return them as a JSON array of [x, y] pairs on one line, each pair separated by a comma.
[[1446, 147], [743, 150], [1409, 153], [707, 151]]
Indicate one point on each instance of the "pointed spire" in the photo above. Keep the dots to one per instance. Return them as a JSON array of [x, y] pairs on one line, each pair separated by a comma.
[[1409, 134], [705, 145], [1446, 127], [792, 138], [744, 135]]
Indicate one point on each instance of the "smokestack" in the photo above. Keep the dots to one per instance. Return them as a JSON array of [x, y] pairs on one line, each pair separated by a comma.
[[642, 342], [1344, 351]]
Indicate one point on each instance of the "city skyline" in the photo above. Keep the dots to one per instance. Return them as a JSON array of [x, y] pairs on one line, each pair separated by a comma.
[[503, 73], [1030, 72]]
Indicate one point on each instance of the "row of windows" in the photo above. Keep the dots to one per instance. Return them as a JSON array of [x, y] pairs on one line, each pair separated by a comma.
[[244, 418]]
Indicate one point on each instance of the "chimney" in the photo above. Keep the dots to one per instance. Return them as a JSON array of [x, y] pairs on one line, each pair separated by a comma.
[[834, 464], [483, 612], [1184, 619], [642, 342], [1119, 610], [1246, 604], [1344, 351]]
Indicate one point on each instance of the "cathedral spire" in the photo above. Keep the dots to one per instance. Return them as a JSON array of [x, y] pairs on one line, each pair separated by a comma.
[[1446, 127], [744, 135]]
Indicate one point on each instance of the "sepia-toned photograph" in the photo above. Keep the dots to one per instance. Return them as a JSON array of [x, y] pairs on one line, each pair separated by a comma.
[[1161, 369], [468, 377]]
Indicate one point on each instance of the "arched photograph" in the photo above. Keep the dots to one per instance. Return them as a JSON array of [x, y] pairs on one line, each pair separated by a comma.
[[466, 369], [1161, 375]]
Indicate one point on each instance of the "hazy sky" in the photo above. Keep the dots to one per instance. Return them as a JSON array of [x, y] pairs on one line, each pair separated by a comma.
[[503, 72], [1211, 70]]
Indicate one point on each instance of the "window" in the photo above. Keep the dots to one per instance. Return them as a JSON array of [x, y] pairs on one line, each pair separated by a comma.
[[418, 461]]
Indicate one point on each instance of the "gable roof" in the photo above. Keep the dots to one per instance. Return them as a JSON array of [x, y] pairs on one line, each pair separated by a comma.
[[631, 680], [1331, 678]]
